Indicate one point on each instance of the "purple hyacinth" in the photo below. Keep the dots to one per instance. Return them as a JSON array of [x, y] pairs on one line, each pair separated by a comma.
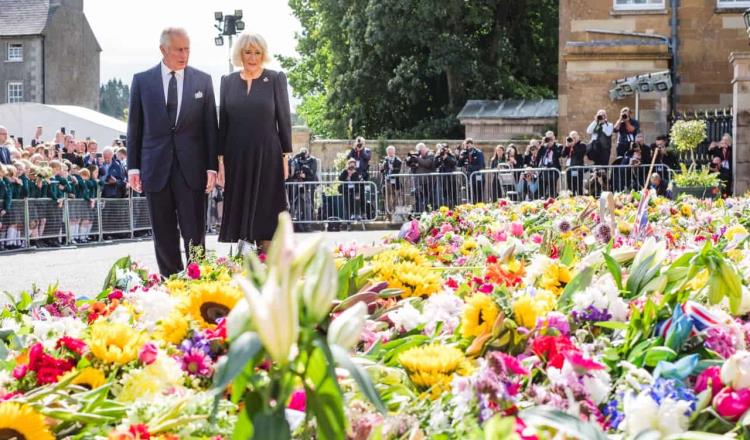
[[721, 341], [197, 342], [591, 314]]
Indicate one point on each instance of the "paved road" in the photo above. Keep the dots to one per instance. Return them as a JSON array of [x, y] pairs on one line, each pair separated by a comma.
[[82, 269]]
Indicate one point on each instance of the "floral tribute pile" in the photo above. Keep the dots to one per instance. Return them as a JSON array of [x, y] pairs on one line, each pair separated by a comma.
[[566, 318]]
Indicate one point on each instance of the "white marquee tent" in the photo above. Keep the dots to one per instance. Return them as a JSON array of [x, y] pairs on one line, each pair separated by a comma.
[[21, 120]]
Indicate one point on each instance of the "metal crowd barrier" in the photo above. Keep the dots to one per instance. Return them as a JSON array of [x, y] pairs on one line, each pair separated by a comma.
[[592, 179], [408, 194], [518, 184], [332, 202]]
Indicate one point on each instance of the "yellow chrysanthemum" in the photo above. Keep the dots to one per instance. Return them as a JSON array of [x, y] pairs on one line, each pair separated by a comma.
[[554, 278], [90, 378], [210, 302], [624, 228], [115, 343], [686, 210], [172, 329], [176, 286], [527, 309], [22, 422], [432, 366], [479, 315], [468, 246], [412, 279]]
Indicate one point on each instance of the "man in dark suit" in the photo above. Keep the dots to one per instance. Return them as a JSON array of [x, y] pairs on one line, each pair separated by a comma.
[[172, 135], [112, 176], [4, 151], [549, 157]]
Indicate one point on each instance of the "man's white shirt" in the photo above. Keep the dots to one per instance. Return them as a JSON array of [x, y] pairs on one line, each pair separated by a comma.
[[166, 77]]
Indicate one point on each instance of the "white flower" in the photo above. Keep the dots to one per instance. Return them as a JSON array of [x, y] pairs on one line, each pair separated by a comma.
[[439, 421], [49, 330], [597, 384], [442, 307], [642, 413], [346, 329], [538, 265], [406, 317], [735, 372], [602, 294], [152, 306]]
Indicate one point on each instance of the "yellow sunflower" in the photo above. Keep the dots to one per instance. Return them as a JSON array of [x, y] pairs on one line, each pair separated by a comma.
[[115, 343], [21, 422], [479, 315], [90, 378], [210, 302], [554, 278], [172, 329], [432, 367]]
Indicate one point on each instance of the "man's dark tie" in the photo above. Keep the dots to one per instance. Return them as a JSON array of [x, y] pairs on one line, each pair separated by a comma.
[[172, 100]]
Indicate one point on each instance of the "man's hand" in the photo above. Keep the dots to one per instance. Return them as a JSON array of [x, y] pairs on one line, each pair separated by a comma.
[[210, 181], [221, 178], [135, 182], [286, 168]]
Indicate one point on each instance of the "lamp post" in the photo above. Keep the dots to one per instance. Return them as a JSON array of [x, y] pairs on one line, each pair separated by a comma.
[[228, 25]]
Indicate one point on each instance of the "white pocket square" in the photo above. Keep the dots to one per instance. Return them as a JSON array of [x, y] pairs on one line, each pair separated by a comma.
[[199, 95]]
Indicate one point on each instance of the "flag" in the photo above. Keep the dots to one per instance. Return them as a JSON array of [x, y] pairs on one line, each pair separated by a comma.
[[641, 215]]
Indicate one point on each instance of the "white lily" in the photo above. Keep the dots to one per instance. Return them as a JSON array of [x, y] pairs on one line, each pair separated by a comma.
[[281, 253], [321, 285], [346, 329], [274, 312], [651, 247]]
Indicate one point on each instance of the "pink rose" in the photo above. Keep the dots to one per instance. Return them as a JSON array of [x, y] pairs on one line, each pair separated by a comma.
[[712, 376], [536, 238], [20, 371], [731, 404], [193, 271], [148, 353], [516, 229], [580, 363], [298, 400]]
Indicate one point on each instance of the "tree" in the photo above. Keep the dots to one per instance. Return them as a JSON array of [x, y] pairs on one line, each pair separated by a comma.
[[114, 98], [407, 67]]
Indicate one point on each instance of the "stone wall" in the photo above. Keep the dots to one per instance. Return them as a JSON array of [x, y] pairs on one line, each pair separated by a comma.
[[740, 63], [706, 37], [28, 71], [491, 128]]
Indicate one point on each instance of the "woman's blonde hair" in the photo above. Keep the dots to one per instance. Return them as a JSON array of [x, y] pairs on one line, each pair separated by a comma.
[[249, 39]]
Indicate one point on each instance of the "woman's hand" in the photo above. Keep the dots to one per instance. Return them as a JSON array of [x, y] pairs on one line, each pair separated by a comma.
[[221, 177]]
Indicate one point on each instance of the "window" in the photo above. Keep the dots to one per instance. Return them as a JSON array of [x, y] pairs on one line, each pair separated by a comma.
[[733, 4], [15, 92], [631, 5], [15, 52]]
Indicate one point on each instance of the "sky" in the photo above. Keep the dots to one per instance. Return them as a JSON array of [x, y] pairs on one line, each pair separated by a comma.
[[128, 32]]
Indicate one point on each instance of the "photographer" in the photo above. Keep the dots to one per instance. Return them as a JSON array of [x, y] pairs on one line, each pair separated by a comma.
[[531, 155], [574, 154], [601, 131], [446, 163], [303, 168], [549, 157], [391, 185], [472, 160], [361, 155], [627, 129], [422, 163], [663, 155], [351, 188], [527, 187]]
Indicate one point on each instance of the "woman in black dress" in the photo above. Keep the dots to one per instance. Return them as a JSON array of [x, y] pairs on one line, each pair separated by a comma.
[[255, 137]]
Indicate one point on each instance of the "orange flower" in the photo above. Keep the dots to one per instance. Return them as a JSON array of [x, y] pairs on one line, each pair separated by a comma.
[[507, 276]]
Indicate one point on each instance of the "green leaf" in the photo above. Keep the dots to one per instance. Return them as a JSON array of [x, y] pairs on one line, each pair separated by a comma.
[[270, 426], [347, 276], [499, 427], [360, 376], [568, 255], [579, 282], [612, 325], [571, 426], [109, 281], [324, 398], [656, 354], [614, 269], [241, 351]]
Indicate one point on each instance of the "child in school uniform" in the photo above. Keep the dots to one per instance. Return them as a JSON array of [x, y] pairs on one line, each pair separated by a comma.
[[40, 191], [90, 194], [59, 189], [75, 204], [5, 205], [15, 213]]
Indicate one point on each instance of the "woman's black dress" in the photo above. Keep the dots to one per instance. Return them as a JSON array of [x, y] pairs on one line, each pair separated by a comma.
[[254, 130]]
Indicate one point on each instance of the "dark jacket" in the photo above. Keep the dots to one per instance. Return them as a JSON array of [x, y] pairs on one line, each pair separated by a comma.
[[472, 159], [362, 157], [576, 154], [389, 167], [446, 164], [152, 141], [114, 189], [549, 156], [424, 165]]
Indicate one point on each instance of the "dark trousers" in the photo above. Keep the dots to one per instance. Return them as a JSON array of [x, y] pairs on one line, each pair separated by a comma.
[[176, 205]]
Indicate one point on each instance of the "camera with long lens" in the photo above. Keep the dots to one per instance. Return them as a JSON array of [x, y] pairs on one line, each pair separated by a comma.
[[569, 139], [411, 159], [624, 116], [599, 117]]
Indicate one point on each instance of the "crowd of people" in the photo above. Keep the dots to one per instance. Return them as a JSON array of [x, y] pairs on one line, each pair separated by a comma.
[[78, 169], [50, 172]]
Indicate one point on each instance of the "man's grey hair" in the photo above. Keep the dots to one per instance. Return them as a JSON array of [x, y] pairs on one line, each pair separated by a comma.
[[2, 128], [390, 148], [168, 33], [108, 150]]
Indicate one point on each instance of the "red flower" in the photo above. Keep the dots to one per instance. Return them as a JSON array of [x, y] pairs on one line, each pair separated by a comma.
[[551, 349], [193, 271], [580, 363], [76, 346], [554, 253], [491, 259], [298, 401], [148, 354], [47, 368], [731, 404], [139, 432], [116, 294], [20, 371], [512, 364], [220, 332], [453, 284]]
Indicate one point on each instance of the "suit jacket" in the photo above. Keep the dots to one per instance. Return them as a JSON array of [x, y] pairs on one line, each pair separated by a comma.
[[555, 158], [153, 143], [4, 155], [116, 189]]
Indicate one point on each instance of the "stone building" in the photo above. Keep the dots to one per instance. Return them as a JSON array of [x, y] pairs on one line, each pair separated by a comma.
[[49, 53], [508, 119], [605, 40]]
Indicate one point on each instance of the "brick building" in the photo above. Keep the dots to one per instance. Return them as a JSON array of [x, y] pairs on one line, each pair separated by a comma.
[[49, 53], [605, 40]]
